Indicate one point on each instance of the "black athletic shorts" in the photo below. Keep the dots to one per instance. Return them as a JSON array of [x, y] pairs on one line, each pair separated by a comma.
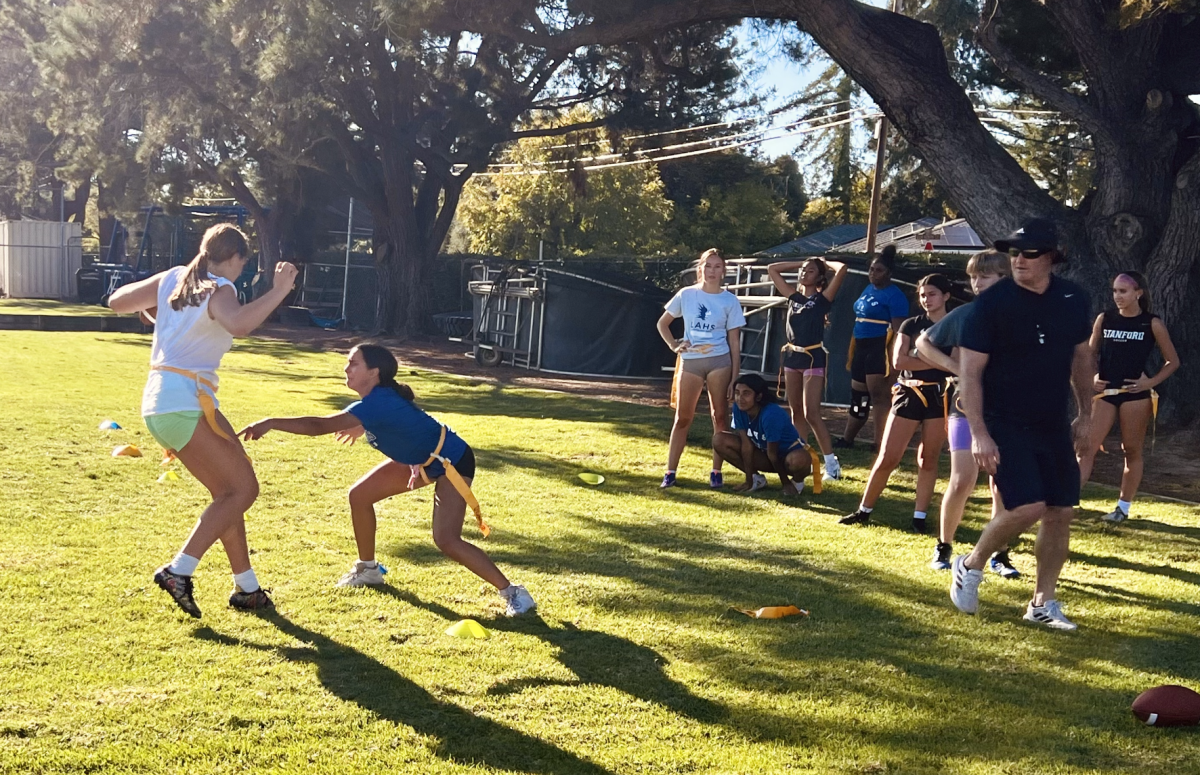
[[870, 357], [907, 404], [465, 466], [802, 361], [953, 400], [1036, 465], [1124, 398]]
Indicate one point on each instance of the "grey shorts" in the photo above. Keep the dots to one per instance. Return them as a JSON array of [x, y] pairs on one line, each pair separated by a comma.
[[702, 367]]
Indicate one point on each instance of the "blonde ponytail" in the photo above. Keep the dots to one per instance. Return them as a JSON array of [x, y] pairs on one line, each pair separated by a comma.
[[220, 243]]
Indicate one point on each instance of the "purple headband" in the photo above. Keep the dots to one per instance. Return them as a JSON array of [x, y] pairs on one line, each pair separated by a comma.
[[1129, 279]]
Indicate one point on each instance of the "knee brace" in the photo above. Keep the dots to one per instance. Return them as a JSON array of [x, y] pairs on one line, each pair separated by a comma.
[[860, 404]]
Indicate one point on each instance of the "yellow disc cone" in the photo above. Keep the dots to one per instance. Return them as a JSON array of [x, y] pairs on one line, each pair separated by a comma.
[[468, 628], [127, 450], [592, 478], [168, 476]]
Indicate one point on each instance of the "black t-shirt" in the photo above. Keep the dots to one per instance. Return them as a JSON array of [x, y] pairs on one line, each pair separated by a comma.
[[806, 318], [1030, 340], [1125, 346], [912, 328]]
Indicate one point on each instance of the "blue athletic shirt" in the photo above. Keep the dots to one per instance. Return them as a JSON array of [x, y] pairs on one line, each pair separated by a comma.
[[398, 429], [879, 304], [772, 424]]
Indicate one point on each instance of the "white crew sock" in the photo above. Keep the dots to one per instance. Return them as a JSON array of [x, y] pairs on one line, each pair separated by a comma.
[[183, 564], [865, 509], [918, 515], [246, 580], [367, 564], [1124, 506]]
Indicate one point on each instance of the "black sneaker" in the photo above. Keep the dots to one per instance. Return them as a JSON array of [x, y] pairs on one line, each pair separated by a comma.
[[919, 526], [941, 556], [250, 601], [180, 589], [840, 443], [857, 518], [1002, 565]]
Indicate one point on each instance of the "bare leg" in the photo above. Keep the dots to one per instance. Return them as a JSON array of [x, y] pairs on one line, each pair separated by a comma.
[[690, 386], [448, 511], [929, 454], [794, 383], [1103, 414], [964, 475], [1053, 546], [718, 404], [729, 447], [1135, 417], [814, 391], [880, 387], [222, 467], [1002, 531], [383, 481], [898, 433]]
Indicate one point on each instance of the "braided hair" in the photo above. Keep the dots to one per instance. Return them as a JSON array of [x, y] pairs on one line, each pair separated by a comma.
[[380, 358]]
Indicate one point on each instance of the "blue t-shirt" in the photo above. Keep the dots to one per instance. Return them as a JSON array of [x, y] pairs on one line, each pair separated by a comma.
[[878, 304], [400, 430], [772, 424]]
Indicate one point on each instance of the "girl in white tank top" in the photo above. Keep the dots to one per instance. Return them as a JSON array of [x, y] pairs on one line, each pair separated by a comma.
[[198, 315]]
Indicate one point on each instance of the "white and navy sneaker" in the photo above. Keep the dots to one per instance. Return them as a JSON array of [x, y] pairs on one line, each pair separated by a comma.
[[517, 600], [1116, 515], [941, 556], [1002, 566], [757, 482], [363, 575], [833, 470], [716, 480], [964, 586], [1049, 614], [668, 480]]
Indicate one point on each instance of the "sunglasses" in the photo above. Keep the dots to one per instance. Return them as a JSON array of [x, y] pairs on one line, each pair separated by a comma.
[[1016, 252]]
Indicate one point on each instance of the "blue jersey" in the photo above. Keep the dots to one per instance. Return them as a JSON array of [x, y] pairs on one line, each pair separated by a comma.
[[879, 304], [772, 425], [400, 430]]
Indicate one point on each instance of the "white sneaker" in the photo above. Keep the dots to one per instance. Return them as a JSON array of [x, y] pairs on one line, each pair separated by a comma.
[[757, 482], [833, 470], [363, 575], [1116, 515], [1050, 614], [517, 600], [964, 586]]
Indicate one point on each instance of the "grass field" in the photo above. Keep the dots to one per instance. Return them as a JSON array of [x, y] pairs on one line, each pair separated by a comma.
[[50, 307], [635, 664]]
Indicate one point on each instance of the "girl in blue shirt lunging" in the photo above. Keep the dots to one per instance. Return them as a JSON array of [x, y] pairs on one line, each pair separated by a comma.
[[763, 439], [421, 450]]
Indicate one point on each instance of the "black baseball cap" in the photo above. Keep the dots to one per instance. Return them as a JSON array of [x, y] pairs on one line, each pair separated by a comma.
[[1036, 234]]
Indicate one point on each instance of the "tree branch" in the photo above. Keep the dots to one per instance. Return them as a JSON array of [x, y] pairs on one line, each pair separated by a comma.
[[1038, 84]]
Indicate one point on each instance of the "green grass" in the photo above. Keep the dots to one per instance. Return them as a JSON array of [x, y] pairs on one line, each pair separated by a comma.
[[51, 307], [636, 664]]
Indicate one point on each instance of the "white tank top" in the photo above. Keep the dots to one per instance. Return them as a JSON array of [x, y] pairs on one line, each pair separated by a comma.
[[188, 339]]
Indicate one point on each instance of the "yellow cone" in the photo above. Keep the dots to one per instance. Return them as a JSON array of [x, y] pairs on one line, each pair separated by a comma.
[[773, 612], [591, 478], [126, 450], [168, 476], [468, 628]]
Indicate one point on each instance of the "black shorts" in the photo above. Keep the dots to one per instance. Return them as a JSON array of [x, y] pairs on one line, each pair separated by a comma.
[[907, 404], [1036, 465], [952, 401], [465, 465], [870, 357], [1124, 398], [802, 361]]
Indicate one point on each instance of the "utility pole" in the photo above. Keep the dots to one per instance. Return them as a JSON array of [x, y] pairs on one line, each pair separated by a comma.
[[881, 132]]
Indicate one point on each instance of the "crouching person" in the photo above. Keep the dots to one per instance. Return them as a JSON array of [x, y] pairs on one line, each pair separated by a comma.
[[763, 439]]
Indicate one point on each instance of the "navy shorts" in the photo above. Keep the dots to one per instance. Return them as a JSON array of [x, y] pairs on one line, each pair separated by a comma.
[[870, 357], [1036, 465], [465, 465]]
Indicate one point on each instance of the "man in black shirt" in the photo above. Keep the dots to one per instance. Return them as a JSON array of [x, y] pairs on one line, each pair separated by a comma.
[[1024, 347]]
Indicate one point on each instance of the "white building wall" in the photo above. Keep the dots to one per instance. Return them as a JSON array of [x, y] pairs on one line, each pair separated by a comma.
[[38, 259]]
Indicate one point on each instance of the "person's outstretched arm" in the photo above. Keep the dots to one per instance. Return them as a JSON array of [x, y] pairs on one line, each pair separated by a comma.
[[136, 297], [301, 426], [241, 319]]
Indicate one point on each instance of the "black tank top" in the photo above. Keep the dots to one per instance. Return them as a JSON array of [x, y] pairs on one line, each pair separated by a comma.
[[806, 318], [913, 328], [1125, 346]]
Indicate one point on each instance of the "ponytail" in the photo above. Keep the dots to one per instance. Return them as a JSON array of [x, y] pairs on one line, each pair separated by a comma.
[[220, 243], [380, 358]]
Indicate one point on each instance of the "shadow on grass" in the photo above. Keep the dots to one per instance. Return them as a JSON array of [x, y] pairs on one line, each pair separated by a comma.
[[462, 736]]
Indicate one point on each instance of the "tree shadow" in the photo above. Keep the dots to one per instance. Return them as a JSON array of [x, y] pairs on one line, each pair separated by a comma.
[[462, 736]]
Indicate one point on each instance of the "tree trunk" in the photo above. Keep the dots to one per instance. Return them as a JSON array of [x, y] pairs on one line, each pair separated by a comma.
[[269, 225]]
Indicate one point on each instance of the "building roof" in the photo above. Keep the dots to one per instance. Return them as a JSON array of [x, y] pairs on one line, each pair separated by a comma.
[[818, 242], [921, 235]]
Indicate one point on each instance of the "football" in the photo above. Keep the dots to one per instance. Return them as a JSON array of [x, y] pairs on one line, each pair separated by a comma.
[[1168, 706]]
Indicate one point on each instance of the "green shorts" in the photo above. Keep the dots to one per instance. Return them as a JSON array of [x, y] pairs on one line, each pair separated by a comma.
[[174, 429]]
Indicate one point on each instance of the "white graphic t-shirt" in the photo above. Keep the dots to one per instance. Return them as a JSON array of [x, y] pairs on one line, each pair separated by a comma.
[[707, 317]]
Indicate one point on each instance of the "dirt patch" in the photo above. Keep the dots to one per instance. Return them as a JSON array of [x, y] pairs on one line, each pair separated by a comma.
[[1172, 467]]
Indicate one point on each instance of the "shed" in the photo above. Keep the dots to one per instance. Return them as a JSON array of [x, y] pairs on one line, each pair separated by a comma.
[[39, 259]]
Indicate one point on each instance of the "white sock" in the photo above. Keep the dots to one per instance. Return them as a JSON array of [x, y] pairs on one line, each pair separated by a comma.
[[830, 459], [367, 564], [918, 515], [508, 591], [1124, 505], [183, 564], [865, 509], [246, 580]]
